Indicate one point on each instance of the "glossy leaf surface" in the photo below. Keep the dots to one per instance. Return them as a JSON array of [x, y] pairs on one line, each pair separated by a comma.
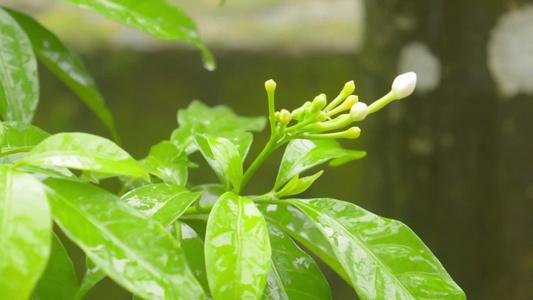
[[297, 185], [293, 273], [134, 250], [295, 223], [237, 249], [218, 121], [85, 152], [383, 258], [59, 281], [301, 155], [66, 65], [25, 233], [193, 247], [224, 159], [167, 162], [157, 17], [19, 83], [21, 135], [164, 202]]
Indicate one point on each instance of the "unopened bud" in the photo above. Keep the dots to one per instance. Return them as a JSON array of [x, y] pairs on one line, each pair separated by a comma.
[[352, 133], [285, 116], [404, 85], [358, 112], [270, 86], [319, 102]]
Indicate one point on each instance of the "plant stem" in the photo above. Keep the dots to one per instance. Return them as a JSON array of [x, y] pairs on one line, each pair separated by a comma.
[[272, 145]]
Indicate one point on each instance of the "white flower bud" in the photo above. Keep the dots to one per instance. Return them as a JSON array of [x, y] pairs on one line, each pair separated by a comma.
[[270, 86], [404, 85], [358, 112], [285, 116]]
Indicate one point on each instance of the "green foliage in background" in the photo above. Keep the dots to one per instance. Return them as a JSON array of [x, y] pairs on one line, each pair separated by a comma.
[[142, 237]]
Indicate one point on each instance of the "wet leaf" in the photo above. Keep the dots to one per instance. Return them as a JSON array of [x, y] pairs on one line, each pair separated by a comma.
[[297, 185], [224, 159], [237, 249], [296, 224], [21, 135], [219, 121], [66, 65], [85, 152], [25, 233], [19, 83], [131, 248], [59, 281], [157, 17], [168, 163], [293, 273], [301, 155], [383, 258], [193, 247], [164, 202]]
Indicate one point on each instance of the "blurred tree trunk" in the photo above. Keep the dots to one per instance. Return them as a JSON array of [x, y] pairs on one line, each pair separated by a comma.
[[451, 170]]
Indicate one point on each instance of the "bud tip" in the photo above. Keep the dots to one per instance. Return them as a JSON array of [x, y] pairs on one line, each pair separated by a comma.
[[404, 85]]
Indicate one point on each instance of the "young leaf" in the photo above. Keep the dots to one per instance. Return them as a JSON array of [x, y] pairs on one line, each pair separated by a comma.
[[218, 121], [19, 84], [25, 233], [301, 155], [134, 250], [93, 275], [237, 249], [157, 17], [167, 162], [296, 224], [85, 152], [165, 202], [383, 258], [66, 65], [224, 159], [193, 247], [59, 281], [21, 135], [293, 273], [297, 185]]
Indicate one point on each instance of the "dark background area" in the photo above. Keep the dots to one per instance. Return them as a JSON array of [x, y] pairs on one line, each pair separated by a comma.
[[454, 163]]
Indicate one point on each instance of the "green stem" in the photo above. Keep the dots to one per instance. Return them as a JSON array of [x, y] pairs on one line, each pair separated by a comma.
[[381, 102], [271, 111], [272, 145]]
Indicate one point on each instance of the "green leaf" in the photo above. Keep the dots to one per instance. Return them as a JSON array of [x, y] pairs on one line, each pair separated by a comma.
[[301, 155], [59, 281], [296, 224], [19, 83], [224, 159], [383, 258], [93, 275], [131, 248], [25, 233], [167, 162], [193, 247], [66, 65], [21, 135], [297, 185], [211, 193], [237, 249], [165, 202], [293, 273], [85, 152], [218, 121], [157, 17]]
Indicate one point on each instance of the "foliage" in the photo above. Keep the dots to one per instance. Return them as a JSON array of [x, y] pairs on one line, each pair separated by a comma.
[[142, 237]]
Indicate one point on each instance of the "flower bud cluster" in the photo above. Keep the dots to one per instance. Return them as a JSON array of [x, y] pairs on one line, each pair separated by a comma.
[[317, 119]]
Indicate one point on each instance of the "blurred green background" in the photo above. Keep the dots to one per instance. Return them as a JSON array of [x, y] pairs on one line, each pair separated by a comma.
[[453, 161]]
